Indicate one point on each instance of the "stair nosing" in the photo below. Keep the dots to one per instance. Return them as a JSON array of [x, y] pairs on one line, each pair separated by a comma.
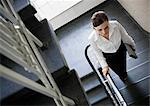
[[89, 90], [98, 100], [87, 75]]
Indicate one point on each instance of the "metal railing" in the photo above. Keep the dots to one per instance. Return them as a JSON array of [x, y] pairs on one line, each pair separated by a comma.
[[108, 83], [18, 44]]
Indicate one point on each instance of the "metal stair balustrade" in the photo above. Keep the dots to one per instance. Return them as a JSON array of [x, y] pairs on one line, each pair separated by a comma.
[[107, 82], [18, 44]]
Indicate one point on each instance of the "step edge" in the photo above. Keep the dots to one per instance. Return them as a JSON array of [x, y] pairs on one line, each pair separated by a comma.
[[93, 88], [98, 100], [87, 75]]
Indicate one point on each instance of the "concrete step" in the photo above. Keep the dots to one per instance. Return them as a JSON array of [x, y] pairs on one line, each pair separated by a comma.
[[95, 91], [104, 102], [136, 92], [87, 76], [98, 93], [90, 82], [142, 57]]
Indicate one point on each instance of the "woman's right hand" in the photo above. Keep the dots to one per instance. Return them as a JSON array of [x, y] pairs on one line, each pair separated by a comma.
[[105, 70]]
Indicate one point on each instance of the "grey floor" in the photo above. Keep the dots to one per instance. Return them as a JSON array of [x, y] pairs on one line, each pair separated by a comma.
[[73, 36]]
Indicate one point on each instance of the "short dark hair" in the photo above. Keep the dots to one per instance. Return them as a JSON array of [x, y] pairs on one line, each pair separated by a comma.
[[98, 18]]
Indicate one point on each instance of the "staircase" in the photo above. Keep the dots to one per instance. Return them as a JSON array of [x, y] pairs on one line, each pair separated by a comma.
[[95, 91], [73, 42]]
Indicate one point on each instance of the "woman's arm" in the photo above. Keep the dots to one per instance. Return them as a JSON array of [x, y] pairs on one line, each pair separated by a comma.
[[100, 57]]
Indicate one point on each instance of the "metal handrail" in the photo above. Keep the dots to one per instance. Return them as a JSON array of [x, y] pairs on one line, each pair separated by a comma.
[[40, 69], [107, 82]]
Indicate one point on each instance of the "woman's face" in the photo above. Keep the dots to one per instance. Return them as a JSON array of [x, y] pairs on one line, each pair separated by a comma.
[[103, 29]]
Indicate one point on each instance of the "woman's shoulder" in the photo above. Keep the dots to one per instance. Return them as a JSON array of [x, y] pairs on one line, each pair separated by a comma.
[[113, 22]]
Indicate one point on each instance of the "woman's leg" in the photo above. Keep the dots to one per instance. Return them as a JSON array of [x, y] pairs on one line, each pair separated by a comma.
[[117, 61]]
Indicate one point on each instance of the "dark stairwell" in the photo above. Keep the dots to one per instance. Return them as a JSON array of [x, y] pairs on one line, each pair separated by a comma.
[[73, 40]]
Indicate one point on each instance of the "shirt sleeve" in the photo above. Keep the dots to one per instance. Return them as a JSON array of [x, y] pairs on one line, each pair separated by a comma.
[[125, 36], [99, 54]]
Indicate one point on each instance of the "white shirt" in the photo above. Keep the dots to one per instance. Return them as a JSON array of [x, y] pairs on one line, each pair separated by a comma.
[[100, 44]]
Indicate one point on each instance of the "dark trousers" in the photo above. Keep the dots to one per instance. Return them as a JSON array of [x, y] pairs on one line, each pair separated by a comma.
[[117, 61]]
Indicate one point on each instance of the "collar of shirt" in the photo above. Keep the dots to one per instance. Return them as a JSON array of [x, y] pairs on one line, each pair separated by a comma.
[[111, 45], [111, 30]]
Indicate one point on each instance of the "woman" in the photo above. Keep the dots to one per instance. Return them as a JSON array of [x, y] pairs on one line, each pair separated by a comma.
[[107, 40]]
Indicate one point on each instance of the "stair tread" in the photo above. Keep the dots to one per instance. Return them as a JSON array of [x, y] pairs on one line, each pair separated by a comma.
[[93, 88], [136, 92], [98, 100], [142, 57], [90, 83], [96, 94], [104, 102], [87, 75]]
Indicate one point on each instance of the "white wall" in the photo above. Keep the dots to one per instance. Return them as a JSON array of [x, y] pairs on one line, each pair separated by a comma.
[[139, 10], [74, 12]]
